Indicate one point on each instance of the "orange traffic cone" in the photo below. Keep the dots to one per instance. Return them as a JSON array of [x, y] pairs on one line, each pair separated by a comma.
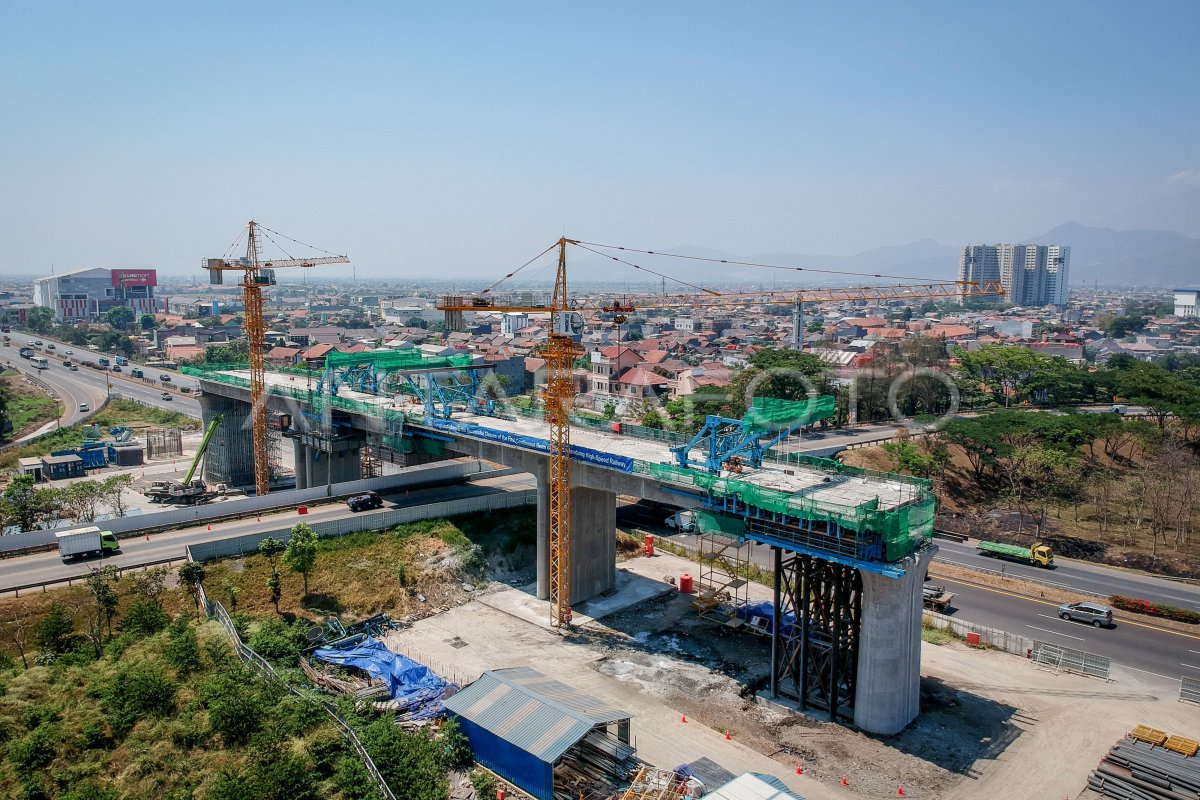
[[727, 736], [900, 791], [844, 781], [683, 718]]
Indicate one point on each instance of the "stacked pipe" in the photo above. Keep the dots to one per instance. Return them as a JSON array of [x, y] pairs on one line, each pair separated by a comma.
[[1135, 770], [594, 767]]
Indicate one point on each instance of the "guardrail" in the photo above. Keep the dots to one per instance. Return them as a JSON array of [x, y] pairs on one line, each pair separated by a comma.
[[236, 509], [1000, 573], [70, 579], [216, 611], [1066, 659], [992, 637], [241, 545], [1189, 690]]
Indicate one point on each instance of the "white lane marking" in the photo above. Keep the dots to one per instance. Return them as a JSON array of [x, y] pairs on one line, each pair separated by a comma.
[[1056, 633], [1189, 666]]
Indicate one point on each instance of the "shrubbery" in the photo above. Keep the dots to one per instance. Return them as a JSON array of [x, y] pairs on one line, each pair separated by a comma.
[[1140, 606]]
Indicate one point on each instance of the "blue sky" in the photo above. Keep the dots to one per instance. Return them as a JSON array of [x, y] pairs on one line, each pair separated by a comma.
[[456, 139]]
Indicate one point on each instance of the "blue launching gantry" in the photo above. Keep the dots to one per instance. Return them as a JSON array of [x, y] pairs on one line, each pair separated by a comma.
[[731, 444], [734, 443], [442, 382]]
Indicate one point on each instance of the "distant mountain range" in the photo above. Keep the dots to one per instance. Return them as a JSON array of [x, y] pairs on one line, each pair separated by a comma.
[[1115, 258]]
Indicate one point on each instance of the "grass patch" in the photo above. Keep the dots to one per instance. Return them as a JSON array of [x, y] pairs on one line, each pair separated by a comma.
[[938, 636], [116, 412], [28, 406]]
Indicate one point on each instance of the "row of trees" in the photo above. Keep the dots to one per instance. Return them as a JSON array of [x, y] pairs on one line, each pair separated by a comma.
[[26, 505]]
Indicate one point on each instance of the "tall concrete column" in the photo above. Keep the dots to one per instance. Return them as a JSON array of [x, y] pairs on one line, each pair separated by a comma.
[[230, 457], [300, 463], [541, 474], [593, 543], [888, 693]]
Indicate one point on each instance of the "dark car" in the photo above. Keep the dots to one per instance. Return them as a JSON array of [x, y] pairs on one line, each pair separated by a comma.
[[365, 502]]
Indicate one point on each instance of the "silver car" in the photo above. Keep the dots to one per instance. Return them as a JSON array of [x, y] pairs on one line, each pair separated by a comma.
[[1100, 616]]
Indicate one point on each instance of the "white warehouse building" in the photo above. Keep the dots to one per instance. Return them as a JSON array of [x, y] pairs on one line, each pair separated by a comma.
[[89, 293]]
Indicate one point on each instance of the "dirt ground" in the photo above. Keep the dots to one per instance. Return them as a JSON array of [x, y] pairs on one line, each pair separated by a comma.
[[992, 724]]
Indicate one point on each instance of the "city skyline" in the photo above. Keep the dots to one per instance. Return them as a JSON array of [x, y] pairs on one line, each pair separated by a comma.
[[460, 141]]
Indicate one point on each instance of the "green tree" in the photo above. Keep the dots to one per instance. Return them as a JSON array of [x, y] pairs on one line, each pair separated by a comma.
[[183, 650], [301, 553], [39, 319], [1003, 370], [100, 584], [413, 764], [25, 505], [191, 575], [56, 633], [120, 317], [147, 322]]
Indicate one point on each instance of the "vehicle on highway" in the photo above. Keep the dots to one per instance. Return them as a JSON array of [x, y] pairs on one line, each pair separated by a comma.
[[682, 521], [1037, 554], [116, 367], [50, 346], [38, 342], [39, 362], [365, 502], [69, 352], [86, 542], [67, 363], [167, 395], [165, 378], [84, 407], [123, 361], [25, 352], [30, 343], [104, 362], [73, 368], [1100, 616], [936, 597], [137, 372]]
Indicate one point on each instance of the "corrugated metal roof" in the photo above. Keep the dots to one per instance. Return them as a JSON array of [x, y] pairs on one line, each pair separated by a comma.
[[753, 786], [540, 715]]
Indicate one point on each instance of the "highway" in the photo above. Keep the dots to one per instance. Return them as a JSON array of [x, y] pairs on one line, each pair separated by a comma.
[[99, 382], [48, 566], [1080, 575]]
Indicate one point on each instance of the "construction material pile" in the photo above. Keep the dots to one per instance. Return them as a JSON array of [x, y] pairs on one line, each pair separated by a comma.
[[594, 767], [372, 673], [1149, 765]]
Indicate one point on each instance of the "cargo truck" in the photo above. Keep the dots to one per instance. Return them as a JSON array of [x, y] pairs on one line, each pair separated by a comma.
[[85, 542], [1037, 554], [936, 598]]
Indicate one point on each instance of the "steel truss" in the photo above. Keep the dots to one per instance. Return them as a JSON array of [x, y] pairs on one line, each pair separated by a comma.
[[814, 657]]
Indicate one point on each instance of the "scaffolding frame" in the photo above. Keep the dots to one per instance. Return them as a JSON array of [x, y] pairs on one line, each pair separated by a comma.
[[721, 586], [814, 660]]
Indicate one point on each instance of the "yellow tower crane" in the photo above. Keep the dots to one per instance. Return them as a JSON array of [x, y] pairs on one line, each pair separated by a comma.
[[561, 351], [257, 273]]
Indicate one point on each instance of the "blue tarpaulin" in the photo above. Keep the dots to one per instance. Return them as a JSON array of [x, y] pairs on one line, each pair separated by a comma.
[[767, 612], [414, 686]]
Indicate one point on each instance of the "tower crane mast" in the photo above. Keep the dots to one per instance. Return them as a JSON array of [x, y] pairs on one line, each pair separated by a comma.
[[257, 273]]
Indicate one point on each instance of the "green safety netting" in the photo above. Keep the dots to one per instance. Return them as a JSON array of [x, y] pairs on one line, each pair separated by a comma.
[[770, 413], [395, 359], [723, 524], [902, 530]]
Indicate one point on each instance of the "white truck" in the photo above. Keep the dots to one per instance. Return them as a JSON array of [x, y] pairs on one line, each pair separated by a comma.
[[86, 541], [682, 521]]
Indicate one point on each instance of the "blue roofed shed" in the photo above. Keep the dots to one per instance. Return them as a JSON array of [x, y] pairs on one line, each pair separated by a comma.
[[521, 723]]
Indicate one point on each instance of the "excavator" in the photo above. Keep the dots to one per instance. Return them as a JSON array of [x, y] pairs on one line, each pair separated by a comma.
[[191, 490]]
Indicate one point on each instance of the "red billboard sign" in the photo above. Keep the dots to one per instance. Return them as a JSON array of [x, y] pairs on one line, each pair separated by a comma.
[[135, 277]]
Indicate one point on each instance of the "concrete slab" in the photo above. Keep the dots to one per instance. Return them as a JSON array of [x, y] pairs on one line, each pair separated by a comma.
[[522, 602]]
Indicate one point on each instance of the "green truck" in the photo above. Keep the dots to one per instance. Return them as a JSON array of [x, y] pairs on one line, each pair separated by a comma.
[[1037, 554]]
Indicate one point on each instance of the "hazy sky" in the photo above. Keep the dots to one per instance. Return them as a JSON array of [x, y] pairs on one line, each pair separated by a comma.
[[457, 139]]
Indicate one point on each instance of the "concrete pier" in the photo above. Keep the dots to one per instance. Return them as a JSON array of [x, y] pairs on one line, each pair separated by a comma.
[[230, 456], [888, 693]]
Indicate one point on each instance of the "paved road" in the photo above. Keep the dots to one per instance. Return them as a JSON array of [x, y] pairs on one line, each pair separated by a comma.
[[1080, 575], [121, 383], [1142, 647], [71, 393], [48, 566]]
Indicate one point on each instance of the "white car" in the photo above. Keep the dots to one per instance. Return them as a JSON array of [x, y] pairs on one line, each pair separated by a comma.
[[84, 407], [69, 352]]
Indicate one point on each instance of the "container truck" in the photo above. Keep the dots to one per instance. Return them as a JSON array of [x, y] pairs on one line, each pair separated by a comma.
[[1037, 554], [85, 542], [936, 598], [104, 362]]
